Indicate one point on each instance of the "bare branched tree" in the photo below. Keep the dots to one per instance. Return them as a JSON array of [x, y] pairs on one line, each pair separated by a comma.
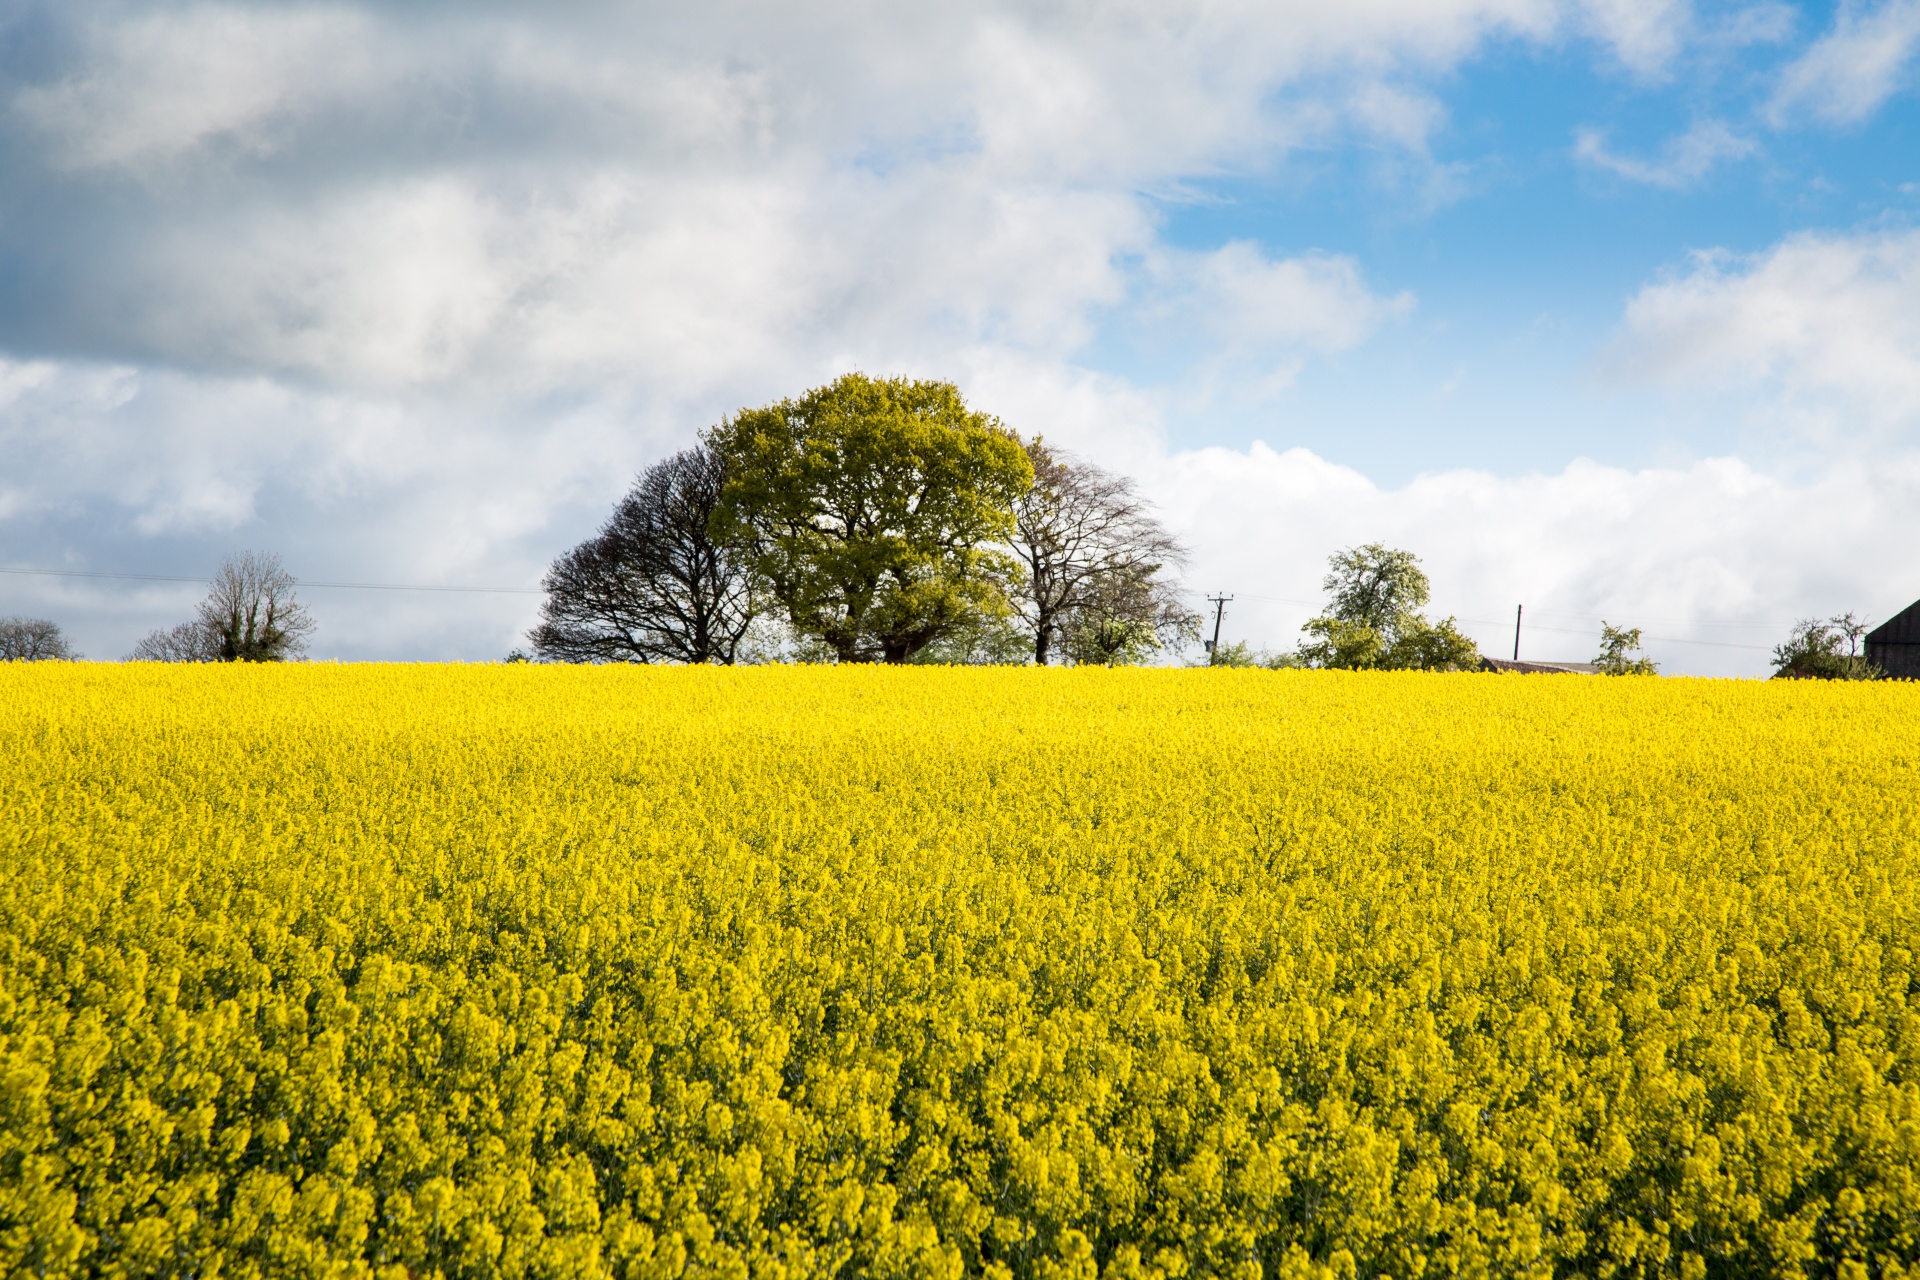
[[1089, 543], [654, 585], [252, 612], [188, 642], [249, 615], [1125, 616], [33, 640]]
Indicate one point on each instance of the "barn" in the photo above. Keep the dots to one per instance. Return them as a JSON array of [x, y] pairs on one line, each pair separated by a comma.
[[1894, 645]]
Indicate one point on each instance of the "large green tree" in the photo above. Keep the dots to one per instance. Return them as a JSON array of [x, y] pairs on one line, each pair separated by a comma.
[[1826, 649], [1617, 647], [1373, 617], [872, 507]]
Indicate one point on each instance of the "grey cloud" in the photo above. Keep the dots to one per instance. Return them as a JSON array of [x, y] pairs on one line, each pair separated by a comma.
[[391, 195]]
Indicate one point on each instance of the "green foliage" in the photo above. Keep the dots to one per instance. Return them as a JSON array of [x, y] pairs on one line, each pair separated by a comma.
[[1375, 586], [1826, 649], [979, 642], [1242, 654], [1433, 646], [1092, 640], [1617, 647], [1373, 619], [1125, 616], [1342, 645], [871, 506]]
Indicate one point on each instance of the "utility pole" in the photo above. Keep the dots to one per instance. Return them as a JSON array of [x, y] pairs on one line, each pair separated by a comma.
[[1219, 604], [1516, 631]]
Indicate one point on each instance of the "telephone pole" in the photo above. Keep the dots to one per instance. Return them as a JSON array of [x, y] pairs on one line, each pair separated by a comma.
[[1516, 631], [1219, 604]]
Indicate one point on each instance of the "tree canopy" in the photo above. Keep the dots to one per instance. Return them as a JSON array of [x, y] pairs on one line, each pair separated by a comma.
[[1093, 559], [1617, 647], [655, 584], [1373, 618], [33, 640], [1125, 615], [250, 615], [1824, 649], [873, 508]]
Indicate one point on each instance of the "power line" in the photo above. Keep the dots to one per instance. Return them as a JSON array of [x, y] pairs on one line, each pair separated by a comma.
[[1568, 631], [305, 582], [87, 573], [1565, 631], [1219, 603]]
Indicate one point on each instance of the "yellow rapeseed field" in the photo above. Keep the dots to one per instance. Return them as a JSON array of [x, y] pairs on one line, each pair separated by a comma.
[[780, 972]]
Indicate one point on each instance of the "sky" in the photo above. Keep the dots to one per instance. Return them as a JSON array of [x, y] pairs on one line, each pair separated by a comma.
[[1608, 309]]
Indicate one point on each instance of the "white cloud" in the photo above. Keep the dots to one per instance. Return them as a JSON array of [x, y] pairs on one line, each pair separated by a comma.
[[1644, 34], [1850, 71], [1824, 322], [378, 197], [1318, 302], [1714, 551], [383, 490], [1684, 160], [1241, 315], [1768, 22]]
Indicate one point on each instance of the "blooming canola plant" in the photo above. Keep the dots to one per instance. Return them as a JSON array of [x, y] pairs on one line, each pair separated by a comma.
[[790, 971]]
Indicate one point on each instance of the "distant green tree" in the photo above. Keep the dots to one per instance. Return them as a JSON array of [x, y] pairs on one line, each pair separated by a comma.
[[1435, 646], [1617, 645], [1343, 645], [981, 642], [1242, 654], [1375, 586], [1373, 618], [872, 507], [1825, 649]]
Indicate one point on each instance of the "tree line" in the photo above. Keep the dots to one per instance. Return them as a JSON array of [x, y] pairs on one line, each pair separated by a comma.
[[249, 615], [884, 520], [870, 520]]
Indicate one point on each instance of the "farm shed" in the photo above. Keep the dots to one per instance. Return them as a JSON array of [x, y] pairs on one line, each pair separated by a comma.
[[1539, 668], [1894, 645]]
